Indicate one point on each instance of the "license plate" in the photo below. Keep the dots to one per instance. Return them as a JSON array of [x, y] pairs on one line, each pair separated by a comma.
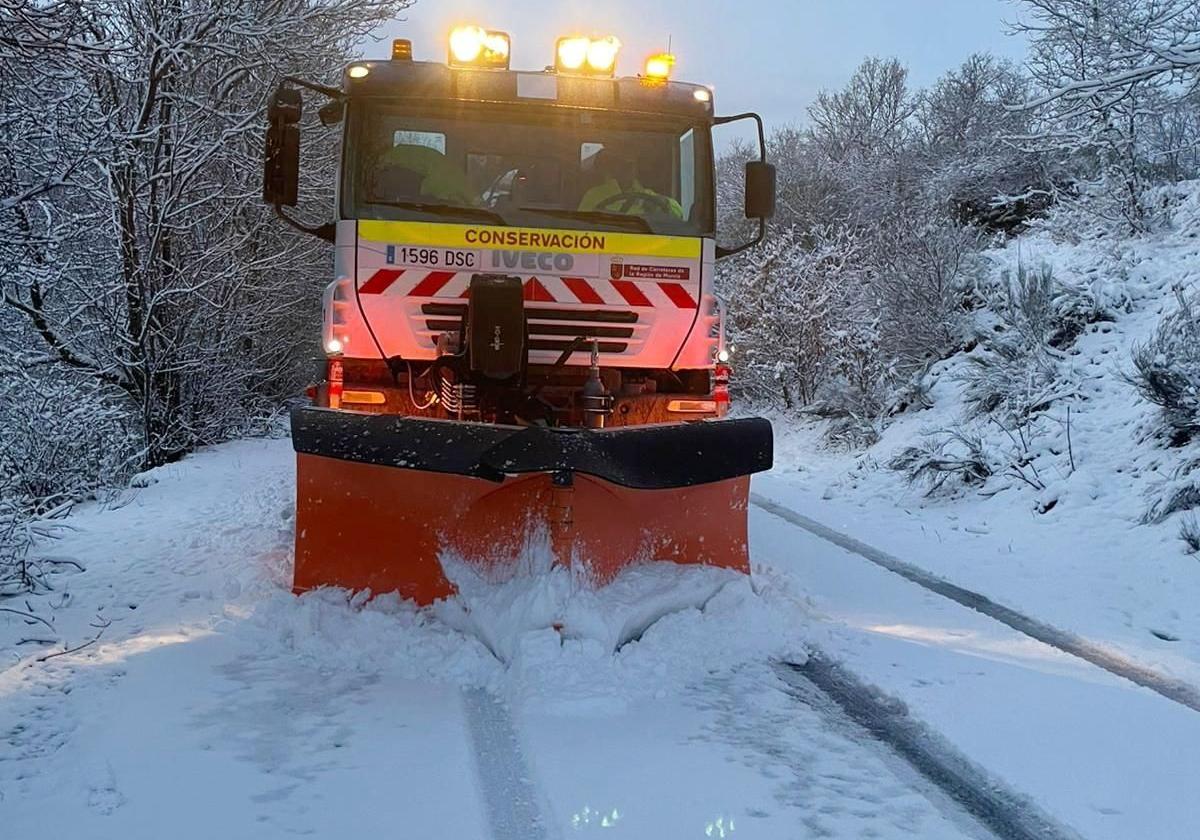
[[450, 259]]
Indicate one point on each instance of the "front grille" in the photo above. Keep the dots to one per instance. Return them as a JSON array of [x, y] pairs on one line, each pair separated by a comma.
[[571, 330], [540, 314], [563, 344], [590, 323]]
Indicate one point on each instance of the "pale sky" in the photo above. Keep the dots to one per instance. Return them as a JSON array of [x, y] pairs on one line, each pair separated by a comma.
[[770, 56]]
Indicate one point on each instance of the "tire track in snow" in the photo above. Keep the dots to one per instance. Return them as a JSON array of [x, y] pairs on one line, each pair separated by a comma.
[[1179, 691], [509, 794], [1005, 813]]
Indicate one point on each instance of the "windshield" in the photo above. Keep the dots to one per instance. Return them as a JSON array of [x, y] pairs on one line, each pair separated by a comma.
[[530, 166]]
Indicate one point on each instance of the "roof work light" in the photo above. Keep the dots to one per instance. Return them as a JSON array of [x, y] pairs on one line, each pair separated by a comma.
[[401, 49], [474, 46], [593, 56], [658, 67]]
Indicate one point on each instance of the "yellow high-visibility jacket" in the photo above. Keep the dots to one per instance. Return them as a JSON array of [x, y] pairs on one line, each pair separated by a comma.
[[440, 179], [594, 197]]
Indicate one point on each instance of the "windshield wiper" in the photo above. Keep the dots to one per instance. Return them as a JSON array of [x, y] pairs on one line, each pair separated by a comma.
[[462, 211], [594, 216]]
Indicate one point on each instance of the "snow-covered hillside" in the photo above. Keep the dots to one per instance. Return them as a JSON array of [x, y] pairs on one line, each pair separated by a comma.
[[1049, 512]]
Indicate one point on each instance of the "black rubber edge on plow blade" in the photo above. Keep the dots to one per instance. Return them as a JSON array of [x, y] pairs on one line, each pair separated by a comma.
[[639, 457]]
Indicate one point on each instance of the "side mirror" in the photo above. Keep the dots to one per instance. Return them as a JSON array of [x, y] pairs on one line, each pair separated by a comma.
[[332, 113], [760, 190], [760, 186], [281, 161]]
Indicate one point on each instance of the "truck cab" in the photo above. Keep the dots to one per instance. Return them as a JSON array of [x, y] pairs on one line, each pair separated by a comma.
[[579, 207]]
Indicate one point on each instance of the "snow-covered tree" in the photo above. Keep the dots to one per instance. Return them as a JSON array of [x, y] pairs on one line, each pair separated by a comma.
[[869, 116], [139, 272], [1109, 70], [965, 122], [137, 249]]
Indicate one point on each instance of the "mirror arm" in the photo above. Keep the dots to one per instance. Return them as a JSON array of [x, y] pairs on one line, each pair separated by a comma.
[[762, 135], [325, 231], [729, 252], [762, 156], [332, 93]]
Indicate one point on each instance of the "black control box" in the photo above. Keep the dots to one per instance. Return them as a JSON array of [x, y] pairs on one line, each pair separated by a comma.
[[496, 326]]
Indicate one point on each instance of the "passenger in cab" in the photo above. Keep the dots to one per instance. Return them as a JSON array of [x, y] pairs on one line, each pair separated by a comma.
[[618, 190]]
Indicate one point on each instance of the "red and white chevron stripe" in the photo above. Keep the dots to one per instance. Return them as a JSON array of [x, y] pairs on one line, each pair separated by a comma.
[[414, 282]]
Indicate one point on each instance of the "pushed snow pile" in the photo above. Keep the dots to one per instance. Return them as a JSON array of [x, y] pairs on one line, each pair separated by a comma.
[[543, 635], [540, 594], [547, 638], [334, 630], [732, 621]]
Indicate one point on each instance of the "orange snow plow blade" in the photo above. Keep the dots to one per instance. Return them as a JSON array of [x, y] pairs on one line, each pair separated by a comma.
[[382, 499]]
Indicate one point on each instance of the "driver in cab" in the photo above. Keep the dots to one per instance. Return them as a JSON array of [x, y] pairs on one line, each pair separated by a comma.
[[618, 190], [420, 172]]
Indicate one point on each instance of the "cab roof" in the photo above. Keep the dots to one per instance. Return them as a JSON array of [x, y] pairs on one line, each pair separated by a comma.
[[433, 81]]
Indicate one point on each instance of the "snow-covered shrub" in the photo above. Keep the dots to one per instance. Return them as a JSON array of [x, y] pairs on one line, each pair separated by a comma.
[[19, 572], [61, 443], [1015, 368], [859, 388], [982, 451], [1007, 378], [1167, 370], [944, 458], [784, 310], [1017, 459], [15, 539], [1180, 492], [907, 312], [63, 440], [921, 270], [837, 323], [1189, 532]]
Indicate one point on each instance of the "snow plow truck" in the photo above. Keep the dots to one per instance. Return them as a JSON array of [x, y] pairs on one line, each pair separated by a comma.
[[522, 336]]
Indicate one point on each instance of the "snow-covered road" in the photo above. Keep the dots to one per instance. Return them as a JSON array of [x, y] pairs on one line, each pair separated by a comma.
[[213, 703], [1107, 757]]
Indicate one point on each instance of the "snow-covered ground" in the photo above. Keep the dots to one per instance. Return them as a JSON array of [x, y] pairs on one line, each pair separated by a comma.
[[1104, 756], [213, 703]]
